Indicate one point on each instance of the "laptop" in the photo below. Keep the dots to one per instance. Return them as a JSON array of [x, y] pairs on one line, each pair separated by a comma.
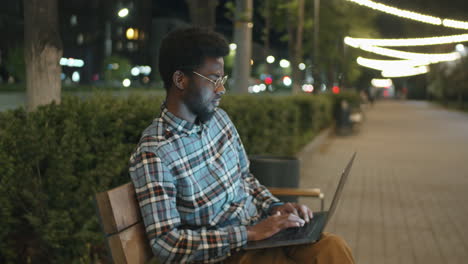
[[310, 232]]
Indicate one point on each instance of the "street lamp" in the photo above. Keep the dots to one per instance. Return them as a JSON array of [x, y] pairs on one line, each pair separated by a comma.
[[270, 59], [284, 63], [232, 46], [123, 12]]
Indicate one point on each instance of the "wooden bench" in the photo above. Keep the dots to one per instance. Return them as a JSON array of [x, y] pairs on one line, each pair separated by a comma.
[[123, 227]]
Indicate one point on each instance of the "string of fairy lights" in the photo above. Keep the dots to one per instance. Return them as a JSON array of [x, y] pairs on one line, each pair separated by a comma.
[[356, 42], [410, 63], [446, 22]]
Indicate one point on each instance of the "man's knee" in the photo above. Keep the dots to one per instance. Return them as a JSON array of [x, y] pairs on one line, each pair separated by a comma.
[[332, 240], [333, 249], [329, 249]]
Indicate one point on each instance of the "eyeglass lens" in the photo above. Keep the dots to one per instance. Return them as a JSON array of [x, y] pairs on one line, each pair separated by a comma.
[[221, 81]]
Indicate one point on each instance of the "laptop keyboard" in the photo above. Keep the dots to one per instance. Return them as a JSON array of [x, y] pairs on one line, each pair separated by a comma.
[[297, 232], [293, 232]]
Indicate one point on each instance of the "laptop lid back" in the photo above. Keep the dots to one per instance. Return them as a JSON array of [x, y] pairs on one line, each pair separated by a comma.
[[339, 189]]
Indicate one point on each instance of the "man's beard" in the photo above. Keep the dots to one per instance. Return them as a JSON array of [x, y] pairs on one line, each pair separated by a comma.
[[194, 101]]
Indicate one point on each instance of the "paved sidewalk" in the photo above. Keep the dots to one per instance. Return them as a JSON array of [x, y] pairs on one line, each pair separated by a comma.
[[406, 200]]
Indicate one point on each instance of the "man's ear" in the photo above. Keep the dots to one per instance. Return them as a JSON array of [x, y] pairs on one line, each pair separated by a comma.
[[179, 79]]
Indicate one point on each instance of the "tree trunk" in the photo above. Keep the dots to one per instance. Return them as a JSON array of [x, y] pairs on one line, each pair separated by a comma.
[[203, 13], [291, 26], [297, 57], [42, 53], [243, 38], [316, 69], [266, 41]]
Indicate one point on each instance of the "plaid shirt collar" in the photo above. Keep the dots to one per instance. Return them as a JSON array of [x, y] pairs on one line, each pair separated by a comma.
[[179, 125]]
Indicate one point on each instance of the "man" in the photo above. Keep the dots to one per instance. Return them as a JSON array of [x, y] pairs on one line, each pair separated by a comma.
[[191, 174]]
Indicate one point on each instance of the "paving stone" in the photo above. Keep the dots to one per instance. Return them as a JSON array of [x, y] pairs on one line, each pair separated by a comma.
[[406, 200]]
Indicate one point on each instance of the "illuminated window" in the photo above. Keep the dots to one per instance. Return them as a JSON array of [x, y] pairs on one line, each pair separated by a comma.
[[130, 46], [73, 20], [80, 39], [119, 45], [132, 33]]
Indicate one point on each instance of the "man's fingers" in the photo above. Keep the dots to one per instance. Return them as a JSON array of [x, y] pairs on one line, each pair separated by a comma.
[[296, 218], [289, 220], [290, 208], [295, 212], [288, 223], [304, 213]]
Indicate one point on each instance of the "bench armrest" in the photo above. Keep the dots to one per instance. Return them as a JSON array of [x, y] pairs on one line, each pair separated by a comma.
[[306, 192]]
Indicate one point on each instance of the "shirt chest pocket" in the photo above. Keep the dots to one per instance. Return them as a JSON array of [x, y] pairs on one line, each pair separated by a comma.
[[193, 202], [204, 193], [224, 169]]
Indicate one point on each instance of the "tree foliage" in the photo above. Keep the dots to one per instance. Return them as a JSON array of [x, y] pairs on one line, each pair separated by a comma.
[[448, 82], [15, 63], [337, 19]]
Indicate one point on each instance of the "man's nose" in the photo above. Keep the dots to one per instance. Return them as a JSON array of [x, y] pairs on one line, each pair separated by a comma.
[[220, 90]]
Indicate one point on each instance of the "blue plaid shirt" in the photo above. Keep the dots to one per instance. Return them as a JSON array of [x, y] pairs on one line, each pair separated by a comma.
[[194, 188]]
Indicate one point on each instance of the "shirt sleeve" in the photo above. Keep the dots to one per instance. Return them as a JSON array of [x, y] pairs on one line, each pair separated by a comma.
[[263, 198], [171, 243]]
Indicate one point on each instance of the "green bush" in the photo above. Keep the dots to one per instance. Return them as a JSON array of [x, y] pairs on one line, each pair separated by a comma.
[[278, 125], [55, 159], [448, 84]]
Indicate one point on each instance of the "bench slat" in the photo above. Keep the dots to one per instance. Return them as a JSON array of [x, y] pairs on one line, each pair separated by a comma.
[[118, 208], [130, 246]]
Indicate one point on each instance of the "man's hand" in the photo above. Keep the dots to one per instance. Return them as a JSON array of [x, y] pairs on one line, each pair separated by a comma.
[[272, 225], [293, 208]]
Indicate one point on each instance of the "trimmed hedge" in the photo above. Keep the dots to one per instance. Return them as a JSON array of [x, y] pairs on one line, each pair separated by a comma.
[[53, 161], [278, 125]]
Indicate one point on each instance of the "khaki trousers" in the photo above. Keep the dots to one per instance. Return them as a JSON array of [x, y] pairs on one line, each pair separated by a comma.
[[330, 249]]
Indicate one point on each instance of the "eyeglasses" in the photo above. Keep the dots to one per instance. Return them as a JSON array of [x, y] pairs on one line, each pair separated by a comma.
[[220, 81]]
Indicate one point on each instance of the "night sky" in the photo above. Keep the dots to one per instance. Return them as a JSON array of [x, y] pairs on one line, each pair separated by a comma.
[[179, 9], [395, 27]]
